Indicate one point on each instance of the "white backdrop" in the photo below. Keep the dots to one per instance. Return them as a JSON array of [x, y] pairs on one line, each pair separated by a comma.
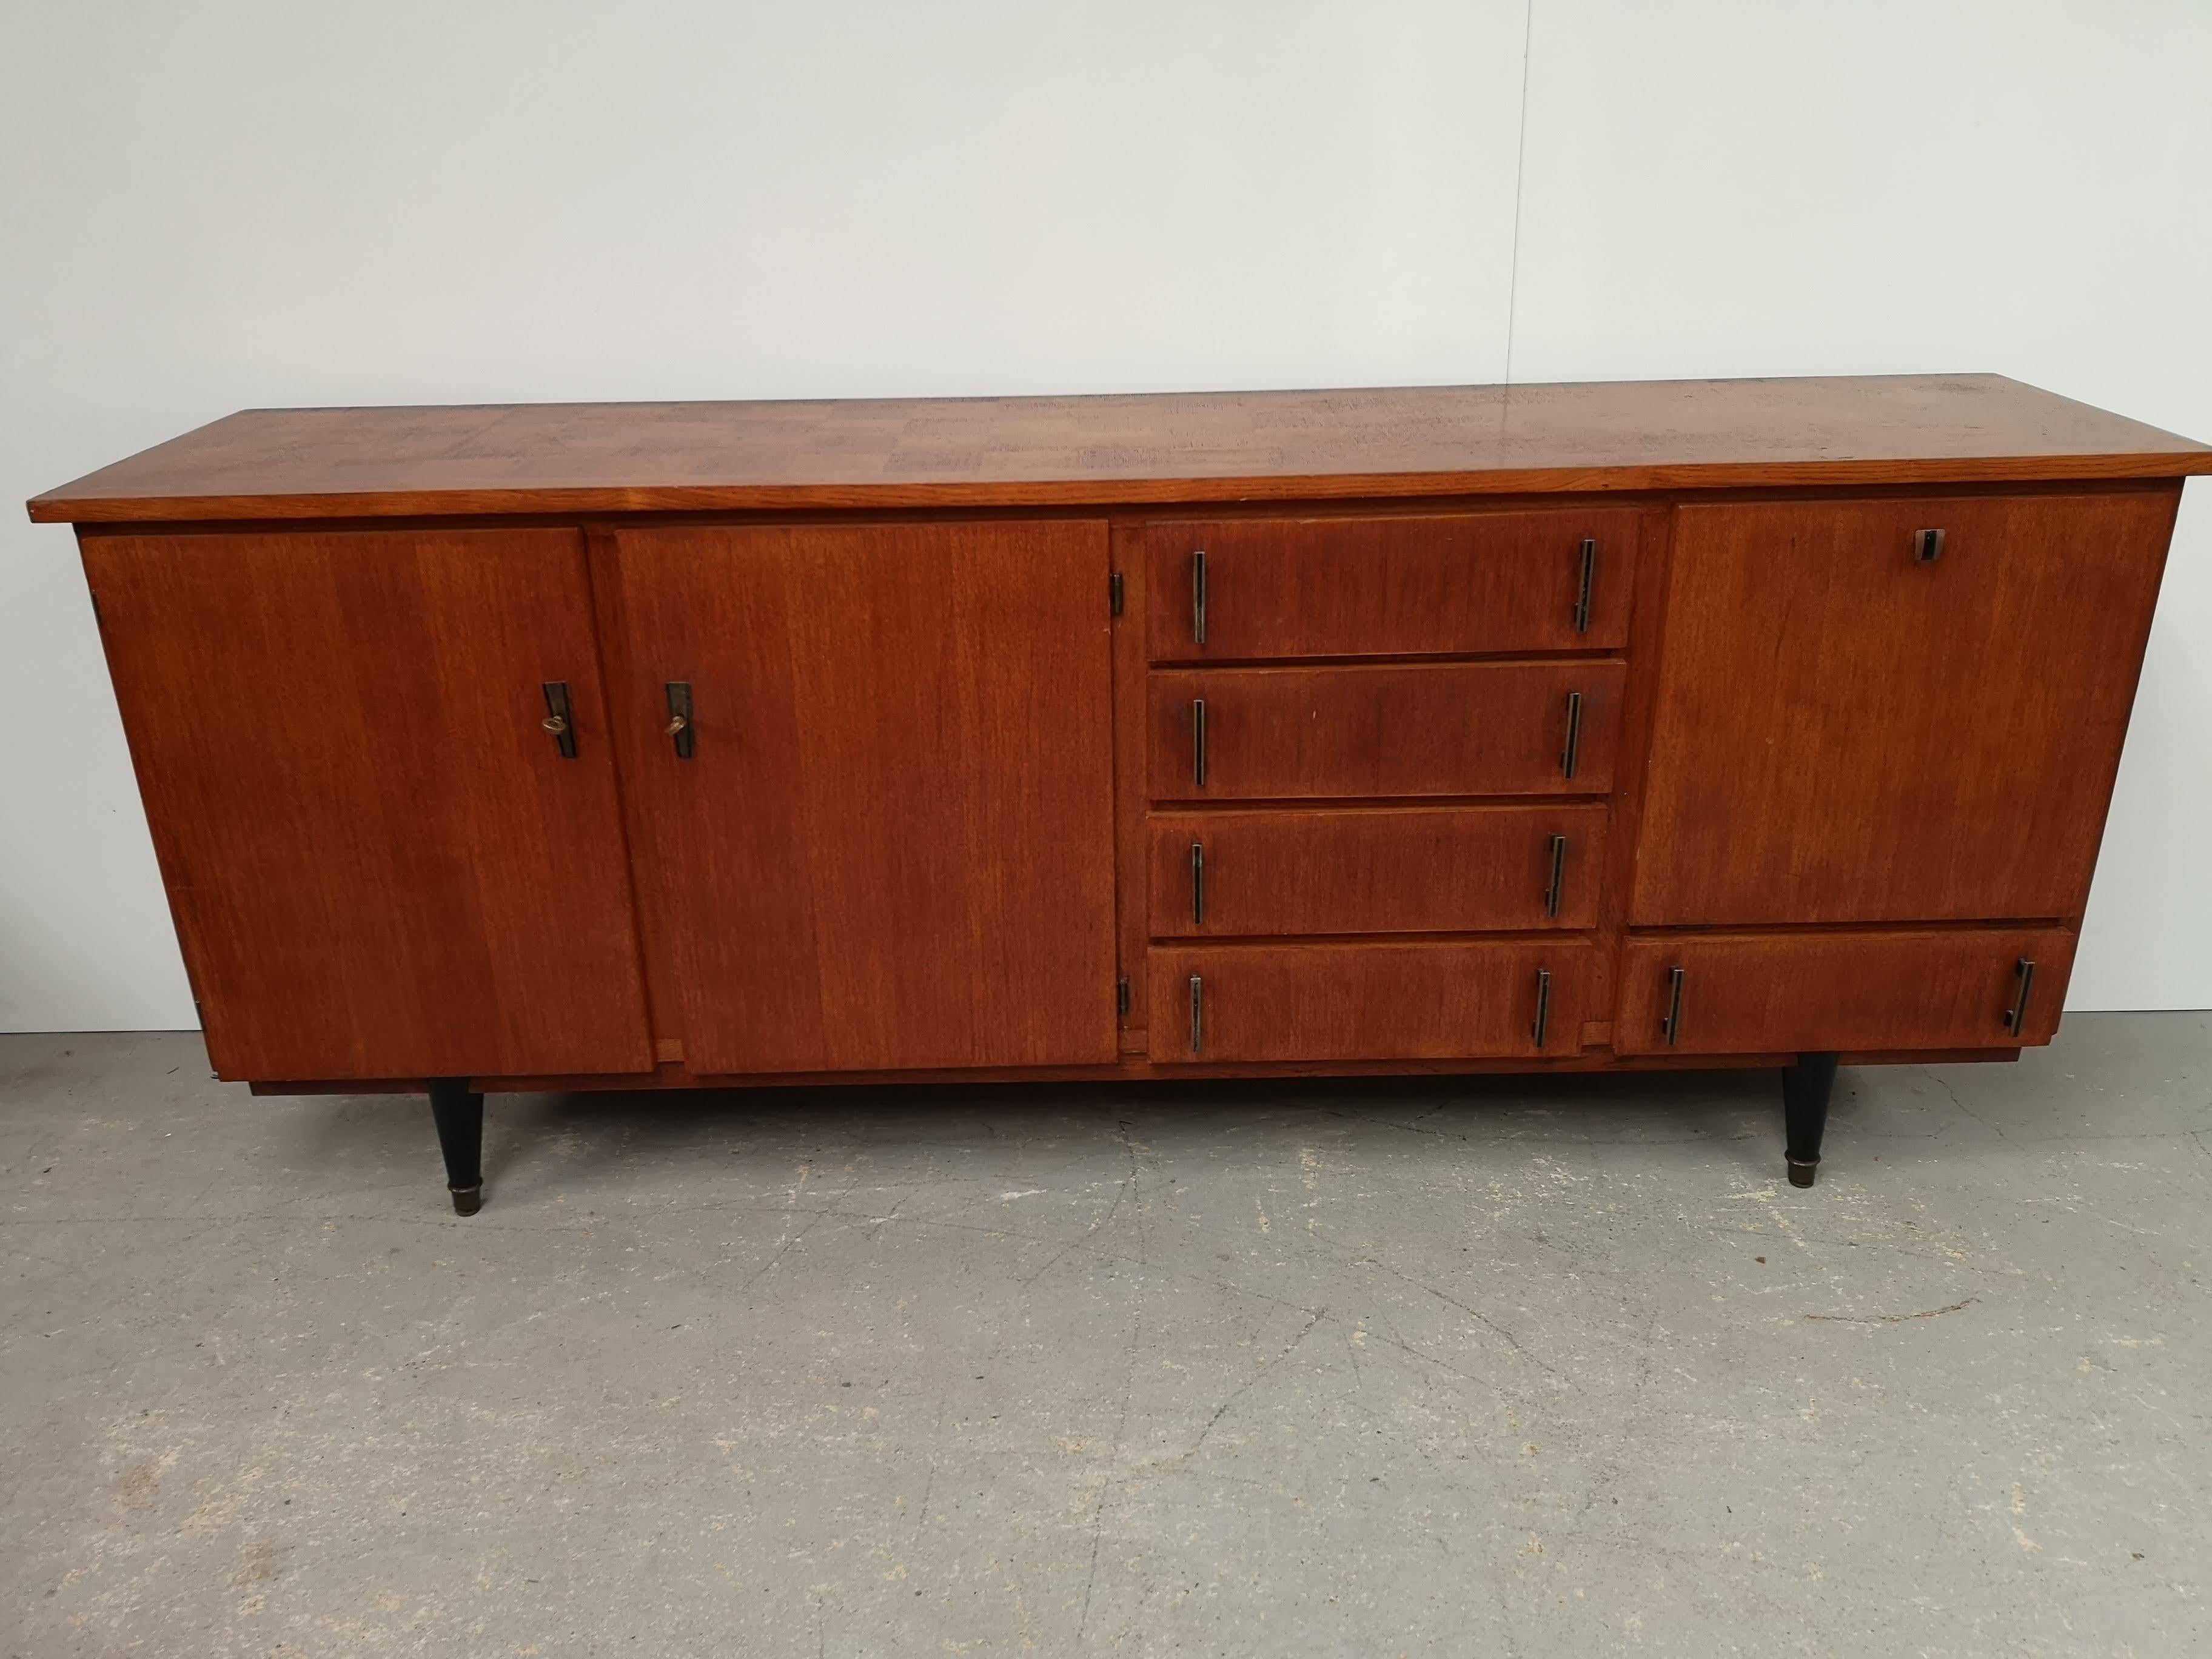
[[212, 206]]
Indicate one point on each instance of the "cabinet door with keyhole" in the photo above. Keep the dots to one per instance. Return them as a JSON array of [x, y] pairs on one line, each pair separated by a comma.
[[1894, 709], [872, 773], [381, 861]]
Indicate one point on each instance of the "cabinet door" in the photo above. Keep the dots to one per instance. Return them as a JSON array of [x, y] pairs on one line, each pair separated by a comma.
[[380, 863], [1849, 731], [891, 841]]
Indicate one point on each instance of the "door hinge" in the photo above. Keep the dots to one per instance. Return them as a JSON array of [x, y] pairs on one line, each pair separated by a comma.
[[1114, 594], [1121, 997]]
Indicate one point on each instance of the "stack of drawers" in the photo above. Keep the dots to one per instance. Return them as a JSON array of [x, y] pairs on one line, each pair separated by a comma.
[[1380, 752]]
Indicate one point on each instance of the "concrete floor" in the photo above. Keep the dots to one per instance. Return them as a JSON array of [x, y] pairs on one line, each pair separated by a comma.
[[1515, 1367]]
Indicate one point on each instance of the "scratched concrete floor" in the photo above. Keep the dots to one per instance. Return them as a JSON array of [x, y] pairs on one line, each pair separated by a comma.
[[1501, 1367]]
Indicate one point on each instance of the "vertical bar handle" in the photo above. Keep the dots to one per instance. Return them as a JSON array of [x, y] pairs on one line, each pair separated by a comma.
[[1198, 883], [1197, 1013], [1573, 751], [2015, 1020], [1559, 876], [1582, 589], [1198, 742], [1198, 596], [558, 720], [1928, 545], [1670, 1023], [679, 726], [1543, 1004]]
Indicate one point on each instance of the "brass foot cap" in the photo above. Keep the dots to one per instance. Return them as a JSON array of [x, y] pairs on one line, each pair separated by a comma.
[[467, 1201], [1801, 1173]]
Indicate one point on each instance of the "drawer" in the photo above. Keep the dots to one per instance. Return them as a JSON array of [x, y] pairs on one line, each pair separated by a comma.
[[1374, 870], [1408, 729], [1369, 1000], [1450, 584], [1746, 993]]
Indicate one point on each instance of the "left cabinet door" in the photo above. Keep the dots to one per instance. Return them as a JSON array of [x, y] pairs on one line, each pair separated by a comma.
[[381, 862]]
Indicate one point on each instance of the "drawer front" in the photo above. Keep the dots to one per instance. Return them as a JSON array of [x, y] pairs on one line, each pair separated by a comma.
[[1455, 584], [1367, 1000], [1409, 730], [1388, 587], [1377, 869], [1803, 992]]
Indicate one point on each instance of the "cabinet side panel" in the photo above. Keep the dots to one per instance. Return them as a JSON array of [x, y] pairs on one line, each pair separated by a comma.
[[380, 861]]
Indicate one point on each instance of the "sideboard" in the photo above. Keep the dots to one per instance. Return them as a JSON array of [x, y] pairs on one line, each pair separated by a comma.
[[1571, 727]]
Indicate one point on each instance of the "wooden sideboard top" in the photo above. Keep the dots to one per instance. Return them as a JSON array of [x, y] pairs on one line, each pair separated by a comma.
[[1106, 451]]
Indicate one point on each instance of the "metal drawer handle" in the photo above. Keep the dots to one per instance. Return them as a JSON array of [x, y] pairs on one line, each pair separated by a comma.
[[1197, 1013], [1198, 596], [1574, 734], [1928, 545], [1582, 596], [1559, 876], [1670, 1023], [2015, 1020], [1198, 742], [1198, 883], [679, 726], [1543, 1004], [557, 719]]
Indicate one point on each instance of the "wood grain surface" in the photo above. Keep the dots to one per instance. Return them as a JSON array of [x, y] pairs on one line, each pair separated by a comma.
[[1381, 731], [1099, 451], [379, 863], [1403, 585], [1893, 990], [1367, 999], [1373, 870], [1848, 733], [893, 844]]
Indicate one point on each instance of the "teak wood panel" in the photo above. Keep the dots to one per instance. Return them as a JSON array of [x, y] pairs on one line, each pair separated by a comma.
[[1368, 999], [893, 843], [1384, 731], [1846, 732], [379, 863], [1803, 992], [1380, 870], [1099, 451], [1441, 585]]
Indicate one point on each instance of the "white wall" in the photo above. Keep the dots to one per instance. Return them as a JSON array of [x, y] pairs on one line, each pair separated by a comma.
[[209, 207]]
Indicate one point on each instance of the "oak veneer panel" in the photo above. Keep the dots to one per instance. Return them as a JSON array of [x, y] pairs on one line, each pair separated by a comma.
[[1249, 445], [893, 846], [1865, 992], [1408, 585], [1383, 731], [1368, 999], [1846, 733], [1378, 870], [379, 864]]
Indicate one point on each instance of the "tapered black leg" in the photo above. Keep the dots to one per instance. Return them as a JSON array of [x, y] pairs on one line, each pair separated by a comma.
[[1805, 1090], [459, 1116]]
